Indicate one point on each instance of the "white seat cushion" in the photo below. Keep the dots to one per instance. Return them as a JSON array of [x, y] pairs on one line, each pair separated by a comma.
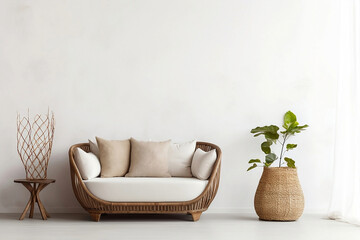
[[145, 189]]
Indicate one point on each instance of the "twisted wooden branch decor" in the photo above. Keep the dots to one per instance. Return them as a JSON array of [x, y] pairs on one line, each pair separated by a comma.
[[34, 143]]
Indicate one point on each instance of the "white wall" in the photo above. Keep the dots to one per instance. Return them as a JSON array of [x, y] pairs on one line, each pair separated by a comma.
[[206, 70]]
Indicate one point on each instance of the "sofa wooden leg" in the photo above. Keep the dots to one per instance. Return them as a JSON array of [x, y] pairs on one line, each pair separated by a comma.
[[196, 216], [95, 216]]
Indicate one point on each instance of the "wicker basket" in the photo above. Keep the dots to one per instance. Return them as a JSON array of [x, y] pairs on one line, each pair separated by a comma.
[[279, 196]]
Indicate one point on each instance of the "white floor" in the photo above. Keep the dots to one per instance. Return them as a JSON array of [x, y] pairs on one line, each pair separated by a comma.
[[210, 226]]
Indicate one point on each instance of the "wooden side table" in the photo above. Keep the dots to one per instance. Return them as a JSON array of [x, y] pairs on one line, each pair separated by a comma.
[[35, 186]]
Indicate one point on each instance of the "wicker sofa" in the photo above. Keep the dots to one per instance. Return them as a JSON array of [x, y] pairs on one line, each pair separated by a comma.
[[96, 206]]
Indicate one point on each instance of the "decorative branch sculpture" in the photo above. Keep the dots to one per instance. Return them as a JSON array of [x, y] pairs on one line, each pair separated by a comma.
[[34, 143]]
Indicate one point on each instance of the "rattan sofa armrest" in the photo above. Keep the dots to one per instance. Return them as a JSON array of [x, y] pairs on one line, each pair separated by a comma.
[[73, 166]]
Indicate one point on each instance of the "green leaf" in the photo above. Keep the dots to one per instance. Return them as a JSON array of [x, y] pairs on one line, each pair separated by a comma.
[[271, 128], [290, 162], [290, 146], [270, 158], [252, 167], [289, 119], [291, 125], [296, 129], [301, 128], [265, 147], [271, 137], [255, 161], [270, 132]]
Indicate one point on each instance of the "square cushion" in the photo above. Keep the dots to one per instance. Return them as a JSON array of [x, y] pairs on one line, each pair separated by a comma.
[[202, 163], [180, 157], [114, 157], [87, 163], [149, 159]]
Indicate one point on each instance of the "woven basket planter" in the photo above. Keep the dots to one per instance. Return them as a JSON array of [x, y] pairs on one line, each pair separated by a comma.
[[279, 196]]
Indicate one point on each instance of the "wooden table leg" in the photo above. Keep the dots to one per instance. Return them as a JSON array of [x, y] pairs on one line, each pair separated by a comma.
[[33, 196], [26, 209], [43, 212], [30, 202], [34, 186]]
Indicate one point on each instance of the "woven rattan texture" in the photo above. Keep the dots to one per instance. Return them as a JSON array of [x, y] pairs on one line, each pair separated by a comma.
[[279, 196]]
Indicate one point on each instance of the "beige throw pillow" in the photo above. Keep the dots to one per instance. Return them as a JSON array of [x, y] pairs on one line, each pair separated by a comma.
[[114, 157], [202, 163], [149, 159]]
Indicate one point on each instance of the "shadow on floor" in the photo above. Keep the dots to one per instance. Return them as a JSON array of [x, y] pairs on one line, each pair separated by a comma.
[[104, 217], [232, 217], [85, 217], [145, 217]]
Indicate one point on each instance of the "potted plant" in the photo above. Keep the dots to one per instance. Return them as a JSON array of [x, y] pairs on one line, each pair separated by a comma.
[[279, 196]]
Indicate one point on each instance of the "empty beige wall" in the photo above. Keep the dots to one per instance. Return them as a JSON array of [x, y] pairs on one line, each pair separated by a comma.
[[206, 70]]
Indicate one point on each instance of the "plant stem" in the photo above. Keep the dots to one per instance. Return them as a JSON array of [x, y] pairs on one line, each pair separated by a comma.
[[282, 149]]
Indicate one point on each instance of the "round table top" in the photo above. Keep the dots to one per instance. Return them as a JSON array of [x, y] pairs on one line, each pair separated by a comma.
[[34, 180]]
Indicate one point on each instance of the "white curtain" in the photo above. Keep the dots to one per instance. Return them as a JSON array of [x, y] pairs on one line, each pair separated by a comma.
[[345, 202]]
